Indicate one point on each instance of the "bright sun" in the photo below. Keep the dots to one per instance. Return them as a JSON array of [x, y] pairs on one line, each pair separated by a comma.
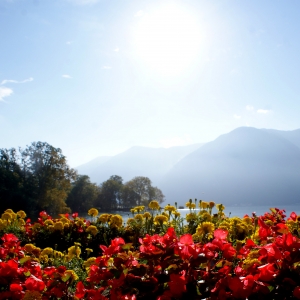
[[167, 39]]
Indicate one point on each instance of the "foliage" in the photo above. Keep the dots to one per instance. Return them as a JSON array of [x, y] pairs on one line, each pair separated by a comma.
[[35, 178], [83, 194], [157, 255]]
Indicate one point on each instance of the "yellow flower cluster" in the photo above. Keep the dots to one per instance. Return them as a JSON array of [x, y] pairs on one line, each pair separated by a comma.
[[92, 230], [154, 205], [160, 219], [93, 212], [104, 218], [170, 208], [116, 221], [190, 205]]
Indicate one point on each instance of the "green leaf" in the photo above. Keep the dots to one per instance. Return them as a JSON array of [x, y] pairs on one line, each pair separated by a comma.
[[24, 259], [127, 246], [66, 277]]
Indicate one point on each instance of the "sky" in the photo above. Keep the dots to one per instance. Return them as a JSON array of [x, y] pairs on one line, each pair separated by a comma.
[[96, 77]]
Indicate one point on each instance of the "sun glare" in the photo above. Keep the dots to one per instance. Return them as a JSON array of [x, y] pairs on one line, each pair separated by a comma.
[[168, 39]]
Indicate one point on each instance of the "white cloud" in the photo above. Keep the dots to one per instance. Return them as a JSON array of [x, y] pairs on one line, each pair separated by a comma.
[[263, 111], [106, 67], [66, 76], [139, 13], [249, 107], [16, 81], [69, 42], [83, 2], [117, 49], [175, 141], [236, 116], [5, 92]]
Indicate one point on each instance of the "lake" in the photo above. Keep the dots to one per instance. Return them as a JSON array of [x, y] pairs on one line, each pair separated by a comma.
[[236, 211]]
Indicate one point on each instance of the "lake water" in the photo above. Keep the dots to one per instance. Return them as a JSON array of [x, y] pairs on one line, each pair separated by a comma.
[[235, 211]]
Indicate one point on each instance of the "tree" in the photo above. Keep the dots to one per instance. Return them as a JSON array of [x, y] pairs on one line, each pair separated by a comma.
[[47, 173], [142, 187], [110, 193], [157, 195], [11, 181], [83, 194]]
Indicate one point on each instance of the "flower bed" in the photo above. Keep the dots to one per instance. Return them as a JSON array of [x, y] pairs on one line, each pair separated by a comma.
[[156, 255]]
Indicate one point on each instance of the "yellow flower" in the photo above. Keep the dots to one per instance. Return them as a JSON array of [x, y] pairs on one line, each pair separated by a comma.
[[21, 222], [7, 216], [90, 261], [191, 217], [93, 212], [146, 215], [116, 221], [170, 208], [47, 251], [133, 210], [2, 224], [57, 254], [203, 204], [205, 216], [189, 204], [139, 217], [88, 250], [220, 207], [79, 222], [154, 205], [104, 218], [139, 208], [160, 219], [205, 228], [177, 214], [21, 214], [32, 295], [48, 222], [74, 251], [29, 248], [92, 229], [72, 274], [59, 225], [10, 211], [37, 226], [130, 222], [65, 220]]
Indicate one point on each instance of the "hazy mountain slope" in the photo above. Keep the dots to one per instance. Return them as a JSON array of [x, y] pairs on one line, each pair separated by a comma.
[[292, 136], [91, 165], [139, 161], [245, 166]]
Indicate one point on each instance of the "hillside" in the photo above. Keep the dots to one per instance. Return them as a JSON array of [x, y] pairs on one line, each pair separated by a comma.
[[137, 161], [246, 166]]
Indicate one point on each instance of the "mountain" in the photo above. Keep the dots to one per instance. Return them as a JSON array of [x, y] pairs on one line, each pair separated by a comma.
[[153, 163], [247, 166], [292, 136], [92, 165]]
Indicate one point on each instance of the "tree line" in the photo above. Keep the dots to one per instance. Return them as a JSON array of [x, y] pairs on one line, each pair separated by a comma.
[[38, 178]]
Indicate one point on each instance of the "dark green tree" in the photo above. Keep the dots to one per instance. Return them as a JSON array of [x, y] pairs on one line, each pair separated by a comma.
[[110, 193], [48, 175], [11, 181], [83, 194]]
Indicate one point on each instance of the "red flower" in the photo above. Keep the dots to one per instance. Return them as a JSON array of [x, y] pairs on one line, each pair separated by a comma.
[[114, 247], [296, 292], [185, 247], [177, 285], [16, 287], [34, 284], [220, 234], [266, 272]]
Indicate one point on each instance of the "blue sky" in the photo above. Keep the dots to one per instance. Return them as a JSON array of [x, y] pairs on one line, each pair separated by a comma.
[[96, 77]]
